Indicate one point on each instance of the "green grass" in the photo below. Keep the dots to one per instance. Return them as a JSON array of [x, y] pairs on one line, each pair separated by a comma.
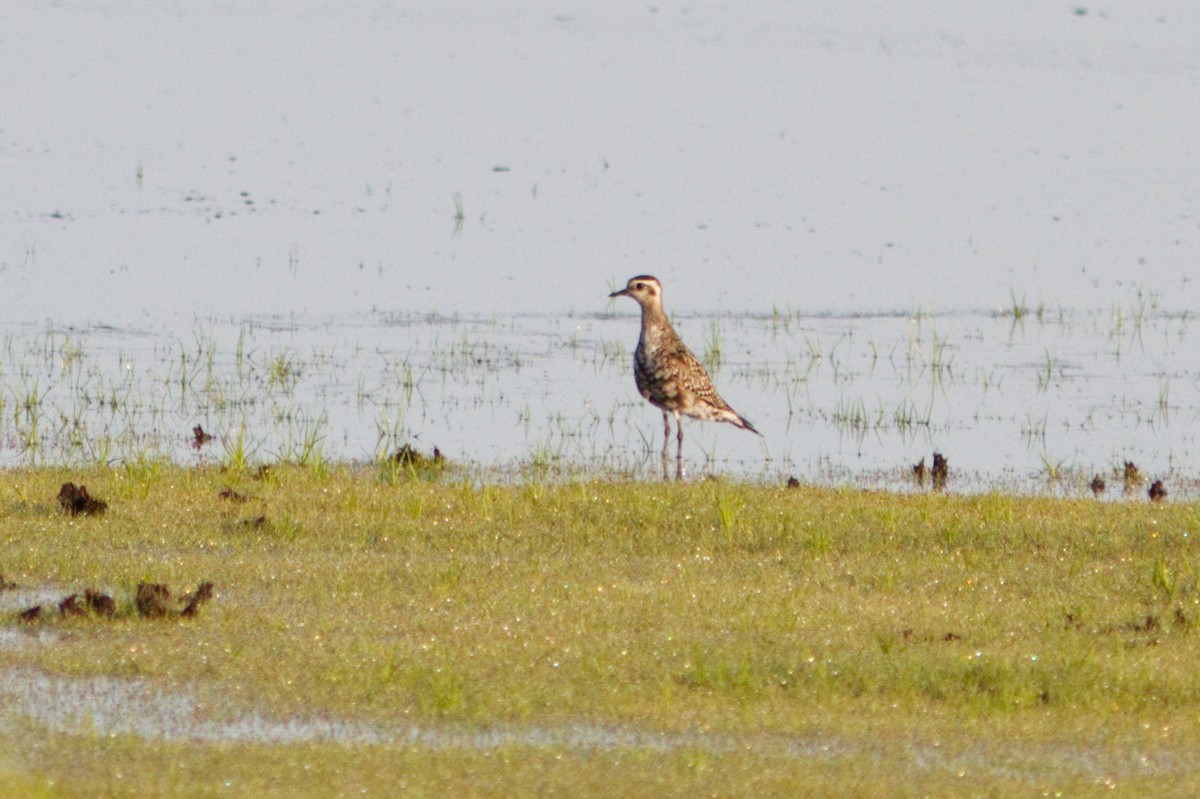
[[781, 642]]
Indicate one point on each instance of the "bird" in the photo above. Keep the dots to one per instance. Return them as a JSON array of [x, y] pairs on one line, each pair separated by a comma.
[[668, 375]]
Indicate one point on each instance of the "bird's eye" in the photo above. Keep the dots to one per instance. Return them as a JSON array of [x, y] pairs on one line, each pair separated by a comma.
[[639, 286]]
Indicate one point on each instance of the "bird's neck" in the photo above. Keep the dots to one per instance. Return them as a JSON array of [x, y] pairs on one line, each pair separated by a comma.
[[656, 328], [653, 315]]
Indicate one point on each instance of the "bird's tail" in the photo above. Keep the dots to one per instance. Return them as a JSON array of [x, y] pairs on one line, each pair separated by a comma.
[[747, 426], [738, 421]]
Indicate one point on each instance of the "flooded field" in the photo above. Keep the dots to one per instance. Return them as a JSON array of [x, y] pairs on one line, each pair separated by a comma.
[[1018, 398], [886, 234], [898, 238]]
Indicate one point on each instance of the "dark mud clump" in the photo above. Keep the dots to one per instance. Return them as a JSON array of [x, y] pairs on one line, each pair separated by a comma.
[[72, 606], [76, 500], [1098, 485], [1158, 491], [194, 600], [100, 604], [199, 437], [793, 482], [940, 471], [152, 601], [91, 602], [232, 496], [410, 458], [939, 474], [919, 473]]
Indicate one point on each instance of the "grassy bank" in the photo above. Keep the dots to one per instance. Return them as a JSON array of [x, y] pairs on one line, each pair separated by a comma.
[[603, 638]]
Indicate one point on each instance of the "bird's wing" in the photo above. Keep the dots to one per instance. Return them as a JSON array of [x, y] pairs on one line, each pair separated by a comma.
[[693, 376]]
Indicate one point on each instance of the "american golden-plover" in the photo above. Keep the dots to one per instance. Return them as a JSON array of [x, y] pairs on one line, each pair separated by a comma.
[[668, 374]]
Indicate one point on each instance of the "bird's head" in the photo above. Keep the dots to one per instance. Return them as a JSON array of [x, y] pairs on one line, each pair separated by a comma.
[[644, 288]]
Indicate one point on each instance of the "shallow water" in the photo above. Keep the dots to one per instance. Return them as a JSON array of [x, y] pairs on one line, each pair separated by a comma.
[[327, 232], [109, 706], [1026, 400]]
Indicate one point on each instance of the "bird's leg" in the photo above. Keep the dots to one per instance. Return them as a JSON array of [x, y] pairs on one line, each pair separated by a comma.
[[679, 449], [666, 444]]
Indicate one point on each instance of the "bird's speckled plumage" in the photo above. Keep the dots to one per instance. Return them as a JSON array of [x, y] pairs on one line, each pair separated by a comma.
[[668, 375]]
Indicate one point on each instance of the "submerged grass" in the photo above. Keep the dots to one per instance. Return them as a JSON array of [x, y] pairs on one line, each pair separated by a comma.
[[313, 390], [758, 641]]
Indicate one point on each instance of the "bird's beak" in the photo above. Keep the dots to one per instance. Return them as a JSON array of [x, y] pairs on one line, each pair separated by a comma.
[[621, 293]]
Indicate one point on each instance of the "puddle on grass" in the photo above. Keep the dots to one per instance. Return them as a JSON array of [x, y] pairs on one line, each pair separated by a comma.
[[109, 706], [1018, 400], [17, 638], [19, 598]]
